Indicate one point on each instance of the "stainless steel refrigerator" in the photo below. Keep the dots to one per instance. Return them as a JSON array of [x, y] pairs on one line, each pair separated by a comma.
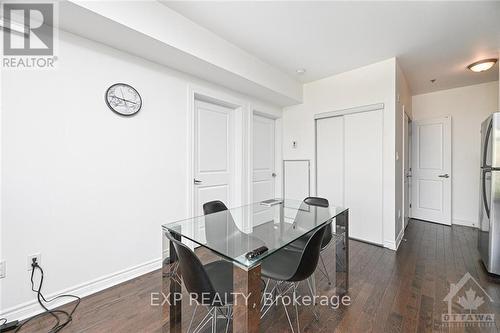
[[489, 210]]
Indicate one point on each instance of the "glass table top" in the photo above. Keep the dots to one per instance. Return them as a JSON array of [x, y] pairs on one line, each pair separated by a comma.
[[234, 233]]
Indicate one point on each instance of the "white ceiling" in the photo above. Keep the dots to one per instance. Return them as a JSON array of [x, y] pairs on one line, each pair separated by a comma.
[[432, 40]]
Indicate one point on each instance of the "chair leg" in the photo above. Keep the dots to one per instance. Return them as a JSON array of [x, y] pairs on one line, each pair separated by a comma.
[[204, 321], [264, 295], [192, 318], [173, 274], [274, 293], [282, 290], [214, 321], [229, 316], [287, 315], [315, 312], [325, 273], [295, 305]]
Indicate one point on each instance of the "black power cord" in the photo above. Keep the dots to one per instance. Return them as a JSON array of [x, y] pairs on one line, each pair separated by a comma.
[[8, 326], [60, 322]]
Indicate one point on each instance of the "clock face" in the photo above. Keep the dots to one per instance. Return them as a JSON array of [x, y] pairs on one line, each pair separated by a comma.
[[123, 99]]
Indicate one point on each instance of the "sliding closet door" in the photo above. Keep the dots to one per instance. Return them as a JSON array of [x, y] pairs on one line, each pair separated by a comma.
[[363, 134], [330, 159], [349, 169]]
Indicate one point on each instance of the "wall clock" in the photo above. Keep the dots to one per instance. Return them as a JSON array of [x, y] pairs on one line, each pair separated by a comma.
[[123, 99]]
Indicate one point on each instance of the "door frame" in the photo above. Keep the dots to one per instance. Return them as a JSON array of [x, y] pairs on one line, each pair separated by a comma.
[[413, 160], [262, 112], [237, 120], [407, 155]]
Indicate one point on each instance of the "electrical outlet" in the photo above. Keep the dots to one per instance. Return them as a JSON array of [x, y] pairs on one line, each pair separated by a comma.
[[37, 256], [3, 269]]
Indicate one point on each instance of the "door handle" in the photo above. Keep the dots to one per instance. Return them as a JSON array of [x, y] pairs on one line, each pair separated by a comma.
[[196, 181], [485, 198], [444, 176], [273, 174]]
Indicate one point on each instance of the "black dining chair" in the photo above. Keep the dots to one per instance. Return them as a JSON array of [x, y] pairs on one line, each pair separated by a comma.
[[210, 285], [244, 242], [289, 267], [327, 238]]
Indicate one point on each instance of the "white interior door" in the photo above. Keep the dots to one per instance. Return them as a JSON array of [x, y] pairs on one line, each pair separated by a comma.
[[431, 171], [213, 155], [264, 172], [349, 152]]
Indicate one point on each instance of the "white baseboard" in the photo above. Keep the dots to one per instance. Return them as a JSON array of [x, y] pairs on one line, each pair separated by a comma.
[[365, 241], [400, 238], [464, 222], [31, 308], [391, 245]]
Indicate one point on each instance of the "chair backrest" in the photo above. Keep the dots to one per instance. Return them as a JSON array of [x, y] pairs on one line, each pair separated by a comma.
[[215, 234], [321, 202], [316, 201], [213, 207], [193, 273], [310, 256]]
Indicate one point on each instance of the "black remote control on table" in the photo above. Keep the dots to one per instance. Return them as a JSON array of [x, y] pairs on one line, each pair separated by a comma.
[[257, 252]]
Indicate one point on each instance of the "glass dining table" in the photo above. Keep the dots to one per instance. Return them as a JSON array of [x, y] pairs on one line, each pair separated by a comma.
[[234, 235]]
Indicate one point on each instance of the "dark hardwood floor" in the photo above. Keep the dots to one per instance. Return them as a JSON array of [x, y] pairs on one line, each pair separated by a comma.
[[390, 292]]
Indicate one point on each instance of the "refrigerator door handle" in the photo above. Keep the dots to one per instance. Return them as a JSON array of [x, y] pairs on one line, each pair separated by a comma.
[[485, 198], [486, 144]]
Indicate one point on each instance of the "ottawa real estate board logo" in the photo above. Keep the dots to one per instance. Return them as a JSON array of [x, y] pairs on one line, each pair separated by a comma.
[[28, 35], [467, 305]]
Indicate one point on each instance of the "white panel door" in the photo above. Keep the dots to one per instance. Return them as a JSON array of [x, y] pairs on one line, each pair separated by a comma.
[[363, 174], [264, 173], [330, 159], [212, 155], [431, 171]]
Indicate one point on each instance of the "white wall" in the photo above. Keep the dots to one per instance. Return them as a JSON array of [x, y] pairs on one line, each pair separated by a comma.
[[84, 187], [371, 84], [468, 107]]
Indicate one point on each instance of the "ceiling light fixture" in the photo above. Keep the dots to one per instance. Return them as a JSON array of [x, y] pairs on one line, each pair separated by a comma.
[[482, 65], [300, 71]]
